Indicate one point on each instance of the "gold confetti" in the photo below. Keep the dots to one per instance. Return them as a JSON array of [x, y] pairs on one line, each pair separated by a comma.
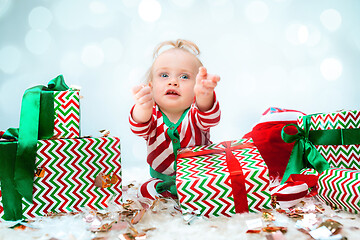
[[40, 172], [334, 226], [268, 216], [138, 216], [274, 229]]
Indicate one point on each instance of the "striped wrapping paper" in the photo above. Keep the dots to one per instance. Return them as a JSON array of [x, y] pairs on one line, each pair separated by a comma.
[[68, 169], [204, 183], [67, 114], [340, 188]]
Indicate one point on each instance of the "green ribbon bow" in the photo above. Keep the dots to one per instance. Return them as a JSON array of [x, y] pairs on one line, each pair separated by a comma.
[[36, 122], [304, 153]]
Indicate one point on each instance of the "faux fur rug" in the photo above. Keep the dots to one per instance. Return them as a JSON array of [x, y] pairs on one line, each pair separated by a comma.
[[162, 219]]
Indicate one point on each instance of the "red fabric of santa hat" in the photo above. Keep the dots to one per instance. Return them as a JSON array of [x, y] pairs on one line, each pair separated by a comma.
[[267, 138]]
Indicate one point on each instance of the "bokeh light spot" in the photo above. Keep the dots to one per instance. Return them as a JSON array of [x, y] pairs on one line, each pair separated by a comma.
[[303, 34], [92, 56], [40, 18], [331, 19], [257, 11], [10, 58], [37, 41], [331, 69], [149, 10], [314, 36], [4, 6], [297, 34]]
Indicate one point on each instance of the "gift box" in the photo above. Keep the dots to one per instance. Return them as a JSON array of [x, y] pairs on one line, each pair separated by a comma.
[[51, 111], [67, 114], [222, 179], [336, 136], [340, 188], [72, 175]]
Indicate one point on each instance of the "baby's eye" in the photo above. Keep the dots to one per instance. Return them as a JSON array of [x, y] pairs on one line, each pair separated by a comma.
[[184, 76], [164, 75]]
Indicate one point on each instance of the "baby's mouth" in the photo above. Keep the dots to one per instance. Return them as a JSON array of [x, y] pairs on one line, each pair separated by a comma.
[[172, 93]]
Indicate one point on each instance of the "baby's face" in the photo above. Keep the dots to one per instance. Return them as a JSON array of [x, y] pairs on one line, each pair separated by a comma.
[[173, 80]]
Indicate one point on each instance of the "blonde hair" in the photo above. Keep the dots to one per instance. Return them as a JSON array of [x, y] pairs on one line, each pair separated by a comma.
[[182, 44]]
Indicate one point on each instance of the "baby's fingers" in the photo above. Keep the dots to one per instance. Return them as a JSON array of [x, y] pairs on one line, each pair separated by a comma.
[[144, 99], [202, 74], [145, 90], [136, 89], [209, 83], [214, 78]]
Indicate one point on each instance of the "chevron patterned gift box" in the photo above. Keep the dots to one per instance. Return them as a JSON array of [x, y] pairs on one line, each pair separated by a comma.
[[340, 188], [336, 136], [67, 114], [222, 179], [75, 174]]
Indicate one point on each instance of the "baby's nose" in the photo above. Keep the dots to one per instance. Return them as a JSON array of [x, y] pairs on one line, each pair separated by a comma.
[[173, 81]]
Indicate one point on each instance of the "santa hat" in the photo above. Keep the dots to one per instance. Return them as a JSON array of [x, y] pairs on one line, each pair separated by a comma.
[[267, 138]]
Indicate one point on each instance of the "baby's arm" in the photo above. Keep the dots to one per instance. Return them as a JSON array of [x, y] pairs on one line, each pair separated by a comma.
[[204, 89], [143, 103]]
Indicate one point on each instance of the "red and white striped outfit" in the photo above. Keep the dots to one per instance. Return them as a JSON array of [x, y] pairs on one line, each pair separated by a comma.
[[192, 130]]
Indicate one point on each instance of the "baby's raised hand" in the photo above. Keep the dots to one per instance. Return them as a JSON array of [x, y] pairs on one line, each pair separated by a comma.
[[204, 89], [143, 96], [144, 103], [205, 83]]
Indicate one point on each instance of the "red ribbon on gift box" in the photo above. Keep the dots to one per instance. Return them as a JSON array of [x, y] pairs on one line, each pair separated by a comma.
[[236, 174]]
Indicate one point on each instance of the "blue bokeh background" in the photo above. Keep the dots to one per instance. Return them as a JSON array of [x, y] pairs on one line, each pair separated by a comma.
[[300, 55]]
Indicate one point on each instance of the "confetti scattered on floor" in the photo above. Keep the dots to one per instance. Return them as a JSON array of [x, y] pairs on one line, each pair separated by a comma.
[[138, 219]]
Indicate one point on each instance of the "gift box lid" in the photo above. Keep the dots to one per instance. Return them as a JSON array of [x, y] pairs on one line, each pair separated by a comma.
[[333, 120]]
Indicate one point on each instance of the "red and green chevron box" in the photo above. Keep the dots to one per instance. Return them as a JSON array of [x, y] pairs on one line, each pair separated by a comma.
[[67, 114], [222, 179], [340, 188], [336, 136], [66, 173]]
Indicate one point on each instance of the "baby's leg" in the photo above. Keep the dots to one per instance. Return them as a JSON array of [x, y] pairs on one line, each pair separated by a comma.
[[148, 190]]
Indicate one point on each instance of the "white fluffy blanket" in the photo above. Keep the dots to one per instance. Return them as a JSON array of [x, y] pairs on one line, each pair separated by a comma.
[[139, 219]]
